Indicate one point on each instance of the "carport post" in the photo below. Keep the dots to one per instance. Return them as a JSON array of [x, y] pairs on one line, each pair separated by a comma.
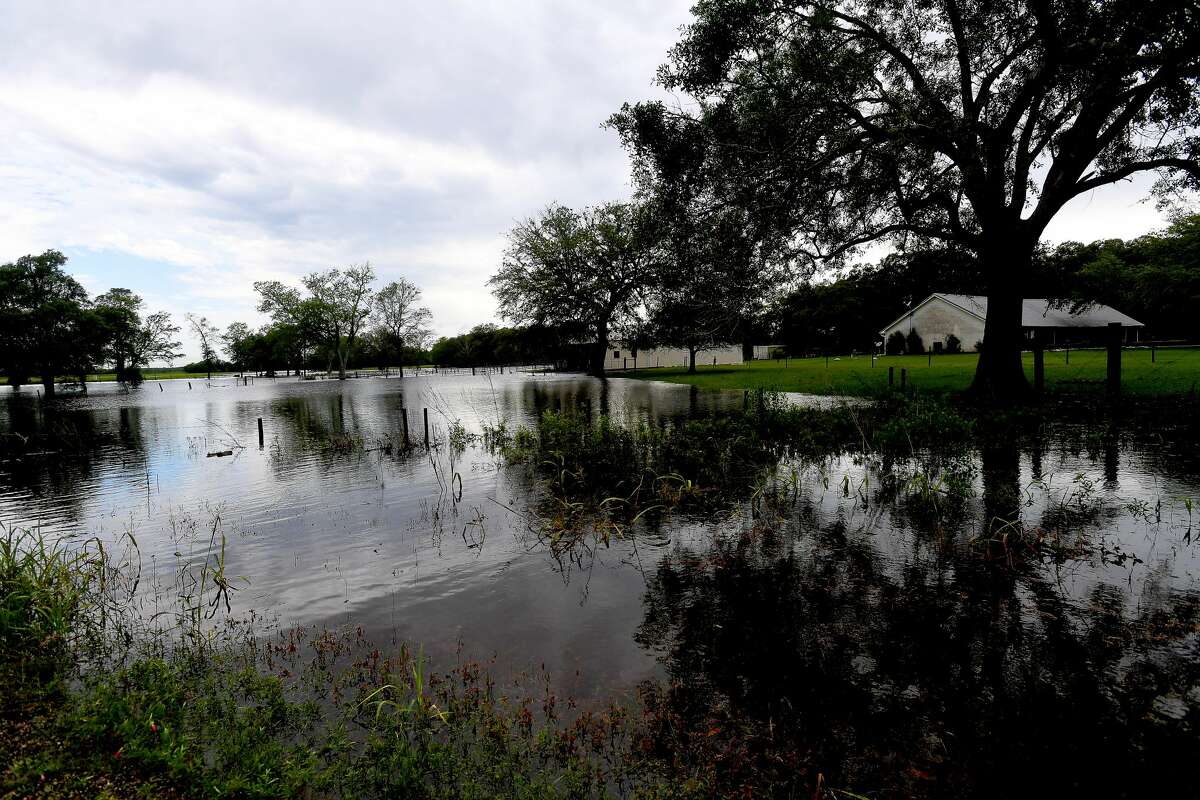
[[1114, 359], [1039, 364]]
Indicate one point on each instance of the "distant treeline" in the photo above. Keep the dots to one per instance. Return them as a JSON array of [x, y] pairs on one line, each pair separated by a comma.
[[489, 345], [1153, 278], [50, 328]]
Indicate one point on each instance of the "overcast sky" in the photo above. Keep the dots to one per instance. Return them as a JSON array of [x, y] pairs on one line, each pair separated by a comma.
[[185, 150]]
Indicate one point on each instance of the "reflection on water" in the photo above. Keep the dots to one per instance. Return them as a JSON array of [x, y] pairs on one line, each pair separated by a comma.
[[888, 637], [323, 533]]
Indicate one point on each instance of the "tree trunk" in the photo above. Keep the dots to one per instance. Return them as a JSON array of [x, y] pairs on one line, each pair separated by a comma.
[[341, 357], [596, 359], [120, 369], [1000, 375], [691, 360]]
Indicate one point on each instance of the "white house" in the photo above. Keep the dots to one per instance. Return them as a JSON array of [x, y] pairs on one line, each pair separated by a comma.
[[938, 316], [620, 357]]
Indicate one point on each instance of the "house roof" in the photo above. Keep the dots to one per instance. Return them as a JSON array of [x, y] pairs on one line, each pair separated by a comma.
[[1036, 312]]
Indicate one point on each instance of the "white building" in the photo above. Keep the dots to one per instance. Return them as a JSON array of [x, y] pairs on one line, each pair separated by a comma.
[[764, 351], [938, 316], [620, 357]]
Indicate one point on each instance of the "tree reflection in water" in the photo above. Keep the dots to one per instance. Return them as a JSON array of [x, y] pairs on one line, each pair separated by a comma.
[[794, 649]]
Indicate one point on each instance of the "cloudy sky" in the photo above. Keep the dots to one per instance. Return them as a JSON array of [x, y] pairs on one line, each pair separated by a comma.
[[185, 150]]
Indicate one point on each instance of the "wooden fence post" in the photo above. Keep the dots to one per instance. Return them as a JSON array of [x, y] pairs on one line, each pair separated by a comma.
[[903, 379], [891, 376], [260, 434], [425, 412]]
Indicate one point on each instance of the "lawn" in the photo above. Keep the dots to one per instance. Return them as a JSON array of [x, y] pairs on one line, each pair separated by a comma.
[[1173, 371]]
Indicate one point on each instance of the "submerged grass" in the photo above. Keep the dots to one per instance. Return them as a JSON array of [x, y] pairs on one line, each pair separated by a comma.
[[620, 471]]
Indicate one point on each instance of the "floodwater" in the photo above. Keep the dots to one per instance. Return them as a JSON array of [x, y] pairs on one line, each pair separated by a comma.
[[864, 614]]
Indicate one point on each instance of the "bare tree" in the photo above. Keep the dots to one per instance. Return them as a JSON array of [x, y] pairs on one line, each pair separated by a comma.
[[398, 316], [207, 333]]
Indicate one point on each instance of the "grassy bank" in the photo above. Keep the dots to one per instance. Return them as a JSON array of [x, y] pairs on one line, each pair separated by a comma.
[[1173, 371], [101, 701]]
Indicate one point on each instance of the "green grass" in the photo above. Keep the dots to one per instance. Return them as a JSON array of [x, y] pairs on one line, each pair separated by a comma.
[[1174, 371], [149, 374], [156, 374]]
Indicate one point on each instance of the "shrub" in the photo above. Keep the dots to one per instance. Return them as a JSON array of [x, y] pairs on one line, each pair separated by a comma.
[[913, 343], [895, 344], [953, 344]]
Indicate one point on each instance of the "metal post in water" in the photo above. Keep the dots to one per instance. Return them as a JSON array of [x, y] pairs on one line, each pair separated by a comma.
[[260, 433], [425, 412], [404, 420]]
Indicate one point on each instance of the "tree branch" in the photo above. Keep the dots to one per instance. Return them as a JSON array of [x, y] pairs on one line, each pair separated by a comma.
[[1112, 176]]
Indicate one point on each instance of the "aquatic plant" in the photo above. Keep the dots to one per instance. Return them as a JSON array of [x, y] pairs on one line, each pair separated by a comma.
[[45, 591]]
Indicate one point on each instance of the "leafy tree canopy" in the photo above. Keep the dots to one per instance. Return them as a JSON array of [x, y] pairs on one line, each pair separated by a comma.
[[587, 270], [972, 122]]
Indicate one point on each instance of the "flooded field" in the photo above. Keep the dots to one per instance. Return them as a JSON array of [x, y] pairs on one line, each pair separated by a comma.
[[880, 609]]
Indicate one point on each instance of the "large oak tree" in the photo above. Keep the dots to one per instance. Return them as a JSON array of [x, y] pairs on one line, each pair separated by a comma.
[[711, 284], [836, 124], [584, 272], [47, 325]]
